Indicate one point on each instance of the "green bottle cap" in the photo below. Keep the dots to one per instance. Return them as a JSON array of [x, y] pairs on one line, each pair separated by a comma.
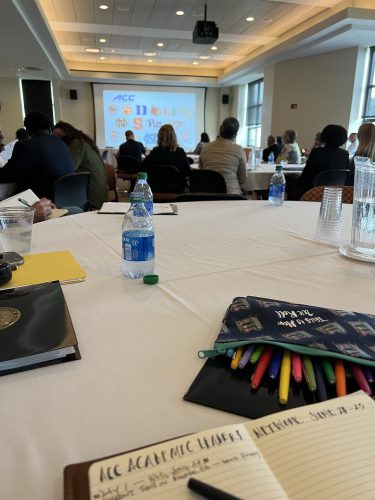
[[142, 175], [279, 168], [151, 279]]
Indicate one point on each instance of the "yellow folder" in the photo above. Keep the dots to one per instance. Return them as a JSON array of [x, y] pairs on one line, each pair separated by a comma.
[[44, 267]]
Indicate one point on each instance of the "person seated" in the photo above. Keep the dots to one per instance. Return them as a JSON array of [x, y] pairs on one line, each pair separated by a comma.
[[290, 151], [167, 152], [21, 134], [272, 147], [204, 140], [131, 147], [86, 158], [366, 147], [226, 157], [352, 144], [329, 157], [37, 162]]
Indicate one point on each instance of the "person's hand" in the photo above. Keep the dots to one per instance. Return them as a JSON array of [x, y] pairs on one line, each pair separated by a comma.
[[43, 208]]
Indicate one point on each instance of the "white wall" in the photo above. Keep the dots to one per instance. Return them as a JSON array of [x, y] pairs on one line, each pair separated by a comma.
[[11, 117], [80, 112], [322, 86], [213, 106]]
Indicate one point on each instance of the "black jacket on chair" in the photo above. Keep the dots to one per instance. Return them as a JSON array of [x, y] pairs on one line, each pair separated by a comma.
[[37, 162], [162, 156]]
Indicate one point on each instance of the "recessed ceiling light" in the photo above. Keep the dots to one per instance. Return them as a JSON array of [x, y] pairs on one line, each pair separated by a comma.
[[103, 7], [102, 58], [160, 44], [112, 51], [204, 57], [180, 13], [149, 54], [249, 19], [214, 48], [195, 62], [150, 60], [92, 50], [102, 40]]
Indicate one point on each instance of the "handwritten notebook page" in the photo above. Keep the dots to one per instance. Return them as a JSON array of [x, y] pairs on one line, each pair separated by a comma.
[[224, 457], [324, 451]]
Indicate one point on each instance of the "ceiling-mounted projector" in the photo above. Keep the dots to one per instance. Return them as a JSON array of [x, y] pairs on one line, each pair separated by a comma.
[[205, 32]]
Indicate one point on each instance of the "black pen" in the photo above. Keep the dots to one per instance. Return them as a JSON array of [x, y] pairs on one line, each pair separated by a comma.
[[24, 202], [207, 491]]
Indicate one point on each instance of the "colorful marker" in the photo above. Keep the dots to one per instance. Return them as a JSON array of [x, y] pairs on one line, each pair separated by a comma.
[[296, 367], [277, 356], [236, 358], [246, 356], [256, 354], [320, 384], [308, 371], [360, 378], [230, 352], [368, 374], [328, 371], [261, 367], [340, 378], [285, 378]]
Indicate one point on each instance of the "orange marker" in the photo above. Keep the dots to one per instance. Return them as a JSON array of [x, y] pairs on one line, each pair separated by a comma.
[[340, 377], [261, 367]]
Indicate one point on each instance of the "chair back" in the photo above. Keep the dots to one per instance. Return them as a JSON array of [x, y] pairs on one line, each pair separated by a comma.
[[207, 181], [128, 164], [331, 178], [165, 179], [112, 182], [208, 197], [316, 194], [72, 190]]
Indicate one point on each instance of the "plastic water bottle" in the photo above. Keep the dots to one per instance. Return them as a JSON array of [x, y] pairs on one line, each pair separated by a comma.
[[271, 158], [142, 187], [276, 193], [138, 250]]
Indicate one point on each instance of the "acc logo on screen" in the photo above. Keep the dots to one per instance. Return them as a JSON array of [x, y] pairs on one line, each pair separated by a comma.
[[124, 97]]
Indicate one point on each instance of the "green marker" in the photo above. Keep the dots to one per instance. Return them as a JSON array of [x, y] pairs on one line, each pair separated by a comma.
[[308, 371], [256, 354], [328, 371]]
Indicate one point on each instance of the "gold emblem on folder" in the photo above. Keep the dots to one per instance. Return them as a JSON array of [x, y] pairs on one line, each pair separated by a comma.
[[8, 316]]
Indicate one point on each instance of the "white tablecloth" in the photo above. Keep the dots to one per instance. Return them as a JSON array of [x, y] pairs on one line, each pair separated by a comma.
[[139, 343], [259, 178]]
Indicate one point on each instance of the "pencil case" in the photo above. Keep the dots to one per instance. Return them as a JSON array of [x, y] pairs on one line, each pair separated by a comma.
[[310, 330]]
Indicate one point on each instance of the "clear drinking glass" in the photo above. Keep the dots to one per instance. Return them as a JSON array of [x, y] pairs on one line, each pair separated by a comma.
[[328, 227], [16, 225], [363, 221]]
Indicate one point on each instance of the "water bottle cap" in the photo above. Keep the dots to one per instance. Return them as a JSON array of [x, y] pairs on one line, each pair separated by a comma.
[[142, 175], [151, 279], [279, 168]]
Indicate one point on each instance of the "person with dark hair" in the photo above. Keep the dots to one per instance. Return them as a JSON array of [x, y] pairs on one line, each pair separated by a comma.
[[167, 152], [21, 134], [86, 158], [290, 151], [201, 143], [131, 147], [329, 157], [226, 157], [272, 147], [37, 162]]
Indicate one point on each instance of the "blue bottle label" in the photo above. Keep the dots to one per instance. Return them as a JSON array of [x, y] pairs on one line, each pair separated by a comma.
[[149, 206], [137, 248], [277, 190]]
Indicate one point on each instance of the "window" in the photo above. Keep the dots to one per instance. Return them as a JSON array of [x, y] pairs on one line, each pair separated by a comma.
[[254, 112], [369, 111]]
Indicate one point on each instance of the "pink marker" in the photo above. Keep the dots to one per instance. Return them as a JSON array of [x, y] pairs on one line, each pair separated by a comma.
[[296, 367], [360, 378]]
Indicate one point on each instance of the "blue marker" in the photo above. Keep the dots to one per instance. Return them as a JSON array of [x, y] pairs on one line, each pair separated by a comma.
[[274, 368], [230, 352], [368, 374], [320, 384], [246, 356]]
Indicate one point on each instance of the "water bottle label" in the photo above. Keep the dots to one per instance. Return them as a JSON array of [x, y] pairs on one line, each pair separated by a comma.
[[137, 248], [149, 207], [277, 190]]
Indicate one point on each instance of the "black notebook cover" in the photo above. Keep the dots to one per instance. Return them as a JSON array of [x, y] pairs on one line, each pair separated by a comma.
[[220, 387], [35, 320]]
